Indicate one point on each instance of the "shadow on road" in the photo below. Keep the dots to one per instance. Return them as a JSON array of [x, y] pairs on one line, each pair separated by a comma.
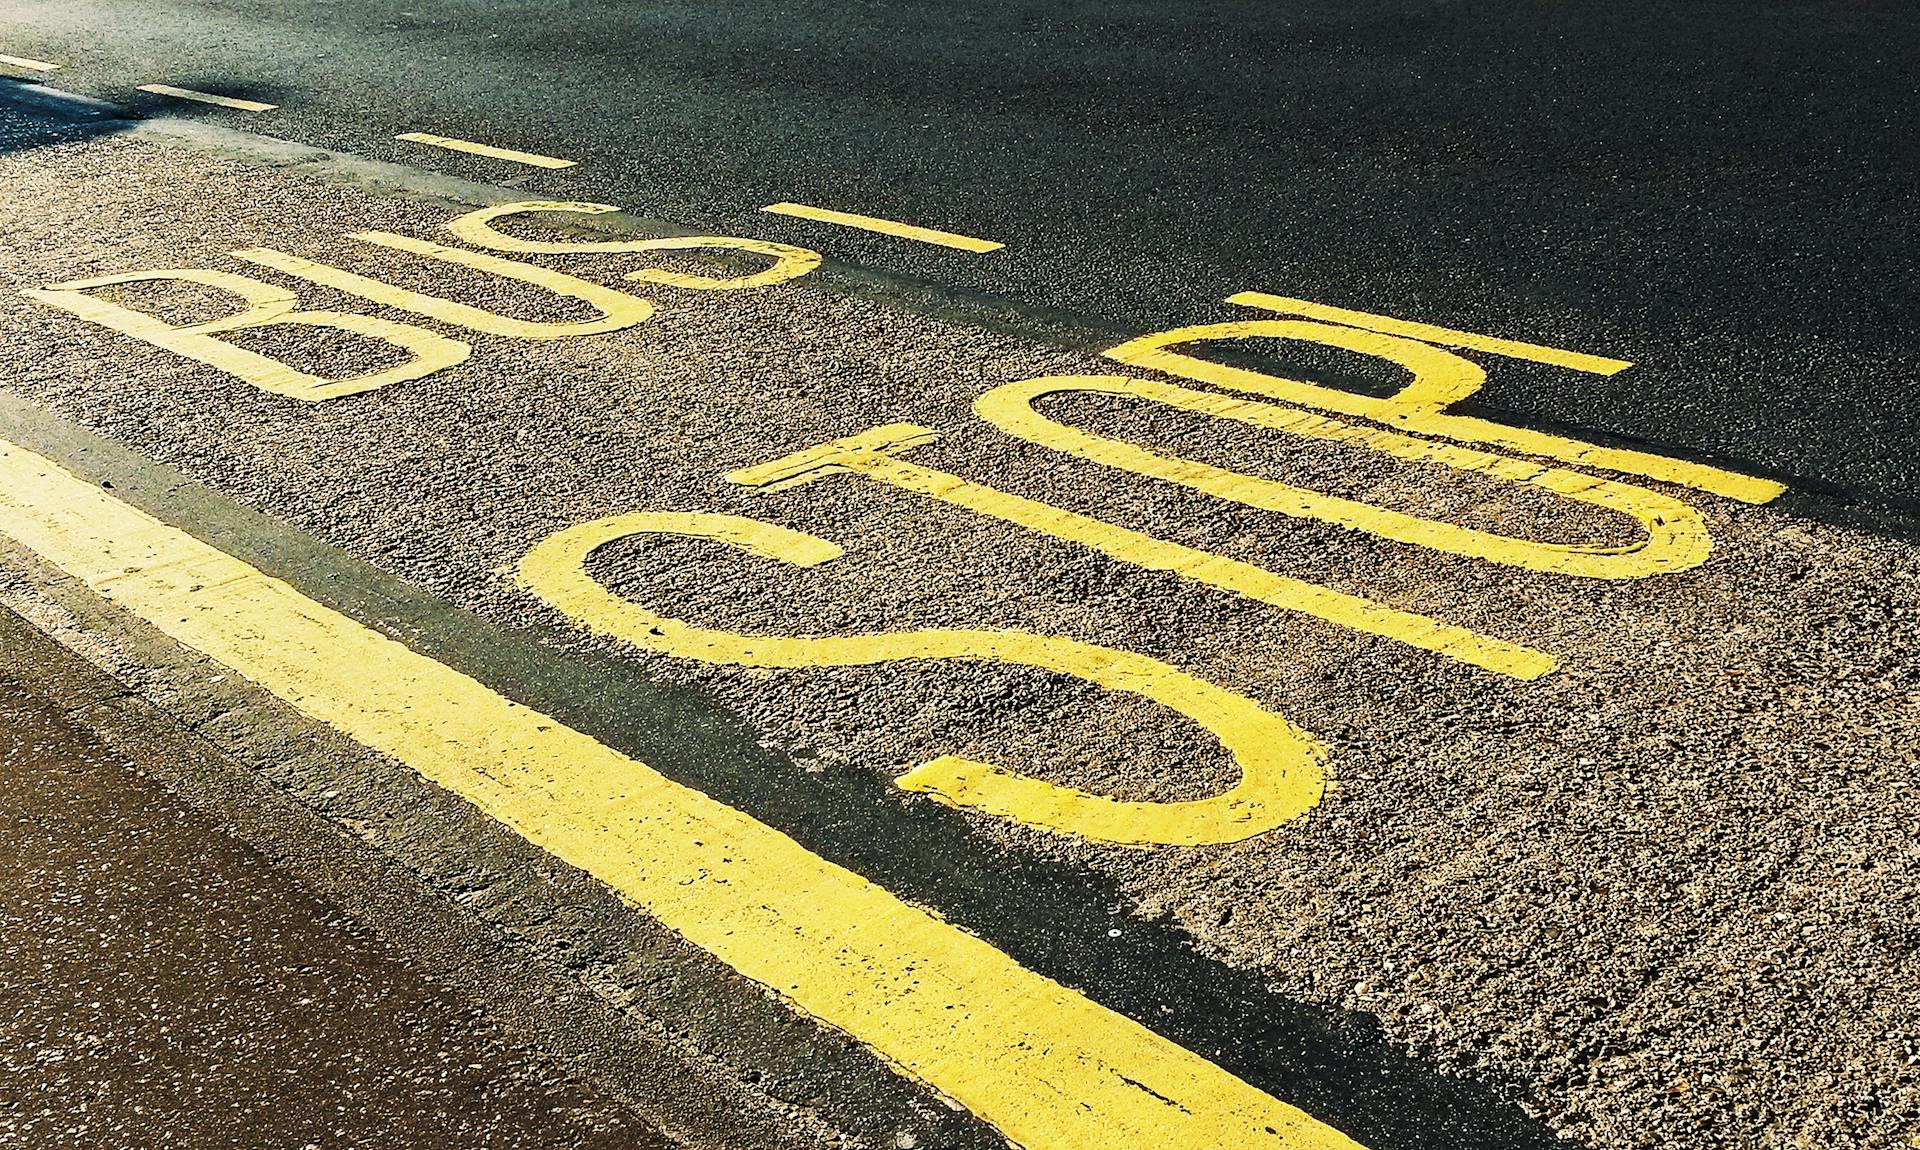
[[33, 115]]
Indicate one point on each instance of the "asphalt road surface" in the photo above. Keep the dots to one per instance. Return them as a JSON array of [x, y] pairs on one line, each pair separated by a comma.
[[1720, 192], [947, 675]]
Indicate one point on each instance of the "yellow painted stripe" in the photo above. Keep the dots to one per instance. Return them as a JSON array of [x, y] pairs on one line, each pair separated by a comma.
[[872, 453], [1674, 537], [1046, 1066], [1445, 336], [885, 227], [29, 63], [1281, 776], [208, 98], [534, 158]]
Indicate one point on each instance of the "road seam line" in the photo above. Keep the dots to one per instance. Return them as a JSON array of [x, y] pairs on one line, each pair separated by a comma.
[[455, 144], [885, 227]]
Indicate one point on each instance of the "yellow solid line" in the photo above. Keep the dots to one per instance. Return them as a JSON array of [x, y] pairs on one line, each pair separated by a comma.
[[887, 227], [29, 63], [208, 98], [1046, 1066], [1445, 336], [458, 145]]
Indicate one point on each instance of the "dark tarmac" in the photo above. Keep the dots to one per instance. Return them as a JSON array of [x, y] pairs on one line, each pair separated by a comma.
[[1721, 192]]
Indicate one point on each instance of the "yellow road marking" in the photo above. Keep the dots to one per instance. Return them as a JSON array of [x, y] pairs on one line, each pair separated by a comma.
[[1280, 765], [1674, 536], [617, 309], [789, 262], [458, 145], [29, 63], [885, 227], [872, 453], [1430, 333], [267, 305], [1046, 1066], [1440, 379], [208, 98]]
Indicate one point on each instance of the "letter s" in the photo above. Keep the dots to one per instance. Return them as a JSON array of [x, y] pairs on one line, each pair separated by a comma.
[[1281, 766]]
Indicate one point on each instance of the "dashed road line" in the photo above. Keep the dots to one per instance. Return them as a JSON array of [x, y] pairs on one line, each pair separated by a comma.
[[1046, 1066], [885, 227], [29, 63], [208, 98], [458, 145]]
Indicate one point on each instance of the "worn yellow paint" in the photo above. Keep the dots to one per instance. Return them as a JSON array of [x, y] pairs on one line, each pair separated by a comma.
[[455, 144], [1050, 1069], [617, 309], [29, 63], [1673, 536], [885, 227], [208, 98], [267, 305], [1280, 765], [1440, 378], [873, 454], [1432, 333], [789, 262]]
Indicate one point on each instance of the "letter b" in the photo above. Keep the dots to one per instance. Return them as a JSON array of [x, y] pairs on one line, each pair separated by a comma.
[[266, 306]]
